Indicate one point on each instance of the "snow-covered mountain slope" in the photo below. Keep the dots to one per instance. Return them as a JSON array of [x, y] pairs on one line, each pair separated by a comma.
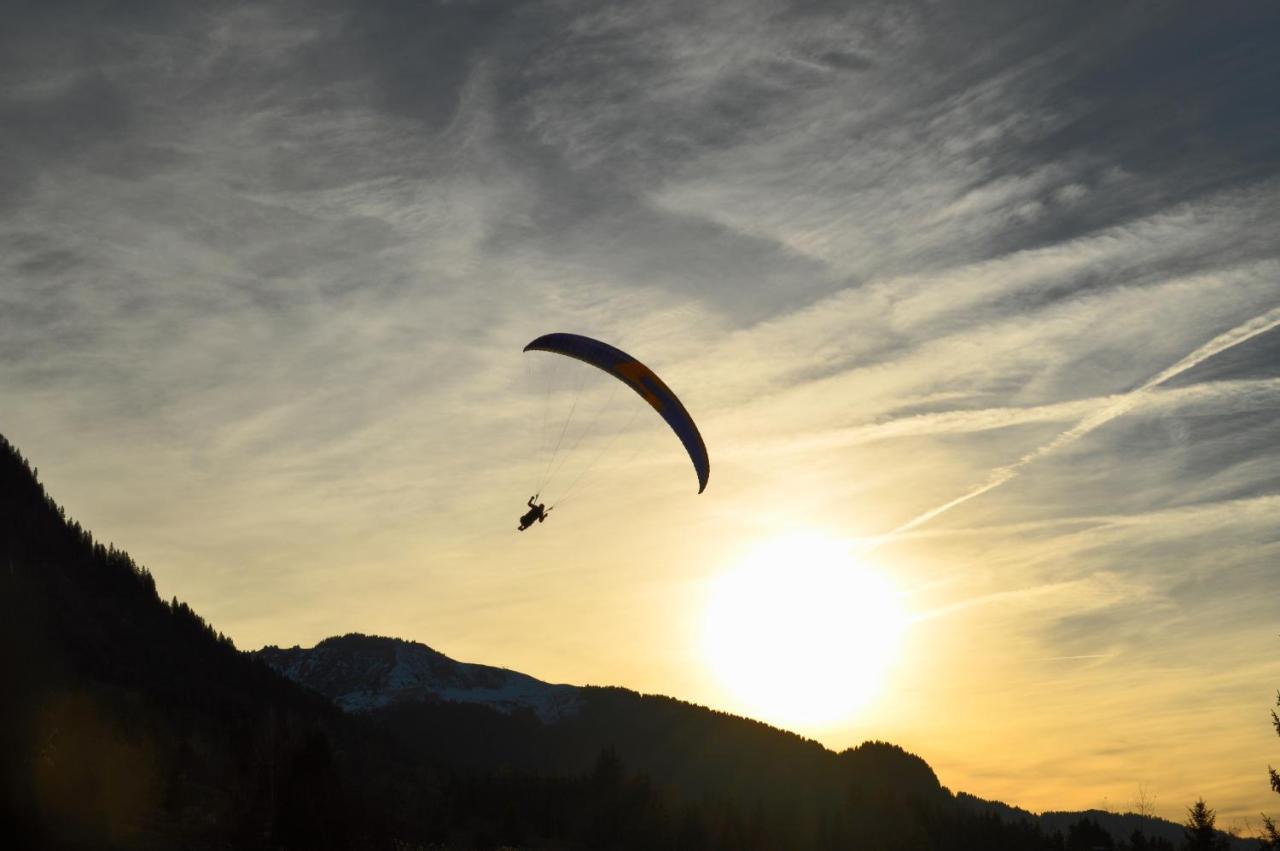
[[362, 673]]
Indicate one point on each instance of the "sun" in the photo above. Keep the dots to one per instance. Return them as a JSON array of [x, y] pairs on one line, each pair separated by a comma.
[[802, 632]]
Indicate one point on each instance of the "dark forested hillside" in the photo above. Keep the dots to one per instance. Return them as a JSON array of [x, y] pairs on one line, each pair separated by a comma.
[[414, 690], [127, 722], [696, 751]]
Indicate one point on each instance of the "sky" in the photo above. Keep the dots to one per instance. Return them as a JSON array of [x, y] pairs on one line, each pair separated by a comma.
[[985, 296]]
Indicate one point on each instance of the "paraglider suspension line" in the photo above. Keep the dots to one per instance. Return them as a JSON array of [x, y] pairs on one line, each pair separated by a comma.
[[546, 473], [608, 445], [590, 429]]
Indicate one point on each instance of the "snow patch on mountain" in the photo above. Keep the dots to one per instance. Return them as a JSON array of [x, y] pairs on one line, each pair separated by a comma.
[[363, 673]]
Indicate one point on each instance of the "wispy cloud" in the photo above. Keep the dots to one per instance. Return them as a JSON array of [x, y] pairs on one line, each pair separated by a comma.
[[1119, 406], [1211, 398]]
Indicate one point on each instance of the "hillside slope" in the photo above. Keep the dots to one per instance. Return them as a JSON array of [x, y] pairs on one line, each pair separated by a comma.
[[129, 722]]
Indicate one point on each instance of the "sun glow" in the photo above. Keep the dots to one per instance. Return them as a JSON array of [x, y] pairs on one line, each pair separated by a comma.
[[802, 632]]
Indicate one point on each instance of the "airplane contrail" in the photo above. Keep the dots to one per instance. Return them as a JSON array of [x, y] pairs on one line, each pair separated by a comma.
[[1118, 406]]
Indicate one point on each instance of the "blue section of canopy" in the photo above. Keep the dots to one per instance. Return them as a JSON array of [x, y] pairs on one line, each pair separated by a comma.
[[639, 378]]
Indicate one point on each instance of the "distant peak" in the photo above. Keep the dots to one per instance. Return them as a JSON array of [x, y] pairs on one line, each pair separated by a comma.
[[363, 673]]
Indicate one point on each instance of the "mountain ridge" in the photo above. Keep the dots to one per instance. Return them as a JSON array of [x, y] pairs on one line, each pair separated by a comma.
[[401, 709]]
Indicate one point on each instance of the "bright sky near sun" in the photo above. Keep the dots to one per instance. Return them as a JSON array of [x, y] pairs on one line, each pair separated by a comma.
[[976, 307]]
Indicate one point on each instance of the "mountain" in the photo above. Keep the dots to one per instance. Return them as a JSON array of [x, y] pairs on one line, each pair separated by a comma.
[[1124, 825], [361, 674], [411, 689], [663, 737], [1118, 826]]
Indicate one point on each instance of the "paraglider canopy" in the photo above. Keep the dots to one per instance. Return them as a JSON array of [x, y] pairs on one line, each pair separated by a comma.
[[642, 380]]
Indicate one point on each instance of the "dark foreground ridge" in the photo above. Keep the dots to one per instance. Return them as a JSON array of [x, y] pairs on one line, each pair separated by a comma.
[[417, 692], [128, 722]]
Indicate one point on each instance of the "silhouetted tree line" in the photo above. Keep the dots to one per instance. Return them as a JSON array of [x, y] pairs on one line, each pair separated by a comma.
[[128, 722], [1271, 834]]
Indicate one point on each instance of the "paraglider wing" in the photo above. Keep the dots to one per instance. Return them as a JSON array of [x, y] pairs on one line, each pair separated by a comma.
[[639, 378]]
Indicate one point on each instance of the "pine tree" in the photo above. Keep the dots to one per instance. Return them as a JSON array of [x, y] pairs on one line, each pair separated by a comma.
[[1199, 829], [1270, 834]]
